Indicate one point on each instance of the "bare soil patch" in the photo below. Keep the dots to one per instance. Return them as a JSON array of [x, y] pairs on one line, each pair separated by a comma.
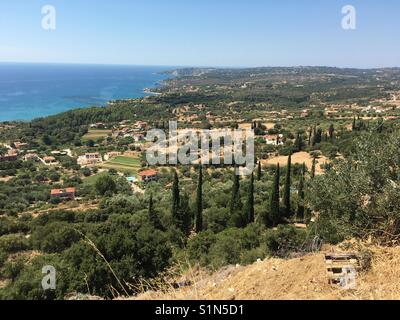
[[298, 158]]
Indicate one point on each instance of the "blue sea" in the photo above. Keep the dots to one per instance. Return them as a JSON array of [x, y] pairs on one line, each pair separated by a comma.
[[29, 91]]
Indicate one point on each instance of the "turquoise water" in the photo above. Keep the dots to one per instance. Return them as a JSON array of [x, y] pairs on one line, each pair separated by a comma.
[[28, 91]]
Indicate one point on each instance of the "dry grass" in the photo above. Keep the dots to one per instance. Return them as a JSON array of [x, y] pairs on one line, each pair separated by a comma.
[[6, 179], [68, 206], [298, 158], [96, 134], [27, 256], [302, 278], [247, 126]]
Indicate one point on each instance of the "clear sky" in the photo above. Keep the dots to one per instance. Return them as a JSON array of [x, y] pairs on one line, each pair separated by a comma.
[[202, 32]]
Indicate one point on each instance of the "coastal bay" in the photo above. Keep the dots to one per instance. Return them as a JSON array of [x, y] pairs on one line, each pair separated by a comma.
[[29, 91]]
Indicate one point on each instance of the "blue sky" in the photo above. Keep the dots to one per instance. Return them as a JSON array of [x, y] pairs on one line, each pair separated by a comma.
[[202, 32]]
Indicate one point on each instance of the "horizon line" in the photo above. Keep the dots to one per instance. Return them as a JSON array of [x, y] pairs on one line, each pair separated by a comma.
[[196, 66]]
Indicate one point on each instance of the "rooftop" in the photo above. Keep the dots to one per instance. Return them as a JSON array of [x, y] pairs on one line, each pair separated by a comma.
[[148, 173], [60, 191]]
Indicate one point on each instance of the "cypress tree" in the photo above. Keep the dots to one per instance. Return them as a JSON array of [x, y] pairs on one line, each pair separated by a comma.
[[278, 140], [199, 202], [259, 171], [185, 214], [331, 131], [380, 125], [274, 207], [153, 218], [317, 136], [235, 192], [286, 194], [176, 202], [250, 201], [314, 164], [300, 204], [314, 133], [299, 142], [237, 219], [304, 168]]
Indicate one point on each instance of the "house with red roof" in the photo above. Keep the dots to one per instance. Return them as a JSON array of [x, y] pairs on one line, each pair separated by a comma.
[[149, 175], [11, 155], [68, 193]]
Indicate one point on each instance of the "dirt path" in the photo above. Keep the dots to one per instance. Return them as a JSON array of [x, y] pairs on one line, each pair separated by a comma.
[[80, 207]]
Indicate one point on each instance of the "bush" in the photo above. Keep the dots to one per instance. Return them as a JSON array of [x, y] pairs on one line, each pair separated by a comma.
[[285, 240], [86, 172], [3, 258], [55, 200], [230, 246], [13, 243], [54, 237], [227, 249], [216, 219], [26, 284], [251, 256], [105, 185], [358, 197], [12, 269], [199, 246], [8, 226]]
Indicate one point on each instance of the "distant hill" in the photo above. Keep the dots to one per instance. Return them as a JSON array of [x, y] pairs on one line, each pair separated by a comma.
[[189, 72]]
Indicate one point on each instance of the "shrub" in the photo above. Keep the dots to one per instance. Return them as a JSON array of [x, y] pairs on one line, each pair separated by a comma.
[[105, 184], [285, 240], [359, 196], [199, 246], [86, 172], [230, 246], [54, 237], [13, 243]]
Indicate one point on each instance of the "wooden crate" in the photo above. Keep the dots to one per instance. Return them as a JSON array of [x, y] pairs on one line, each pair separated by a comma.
[[336, 262]]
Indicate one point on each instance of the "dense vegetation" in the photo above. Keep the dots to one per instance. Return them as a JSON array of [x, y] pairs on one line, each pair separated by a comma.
[[115, 242]]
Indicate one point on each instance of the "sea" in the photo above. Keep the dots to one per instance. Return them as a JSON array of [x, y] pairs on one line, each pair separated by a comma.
[[29, 91]]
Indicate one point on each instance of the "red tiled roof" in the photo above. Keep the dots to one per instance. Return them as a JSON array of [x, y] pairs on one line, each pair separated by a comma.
[[55, 191], [148, 173], [59, 191]]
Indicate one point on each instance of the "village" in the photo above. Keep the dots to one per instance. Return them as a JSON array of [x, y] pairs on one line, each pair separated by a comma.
[[121, 147]]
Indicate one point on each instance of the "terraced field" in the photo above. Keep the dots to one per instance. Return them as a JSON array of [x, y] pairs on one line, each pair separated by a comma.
[[96, 135], [123, 163]]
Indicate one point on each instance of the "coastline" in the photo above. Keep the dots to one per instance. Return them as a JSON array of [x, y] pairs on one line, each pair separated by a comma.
[[30, 104], [151, 92]]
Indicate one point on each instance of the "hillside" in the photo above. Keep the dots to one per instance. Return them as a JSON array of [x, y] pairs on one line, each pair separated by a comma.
[[299, 278]]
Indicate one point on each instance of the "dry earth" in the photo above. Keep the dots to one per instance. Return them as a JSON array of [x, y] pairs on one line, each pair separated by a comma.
[[298, 158], [302, 278]]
